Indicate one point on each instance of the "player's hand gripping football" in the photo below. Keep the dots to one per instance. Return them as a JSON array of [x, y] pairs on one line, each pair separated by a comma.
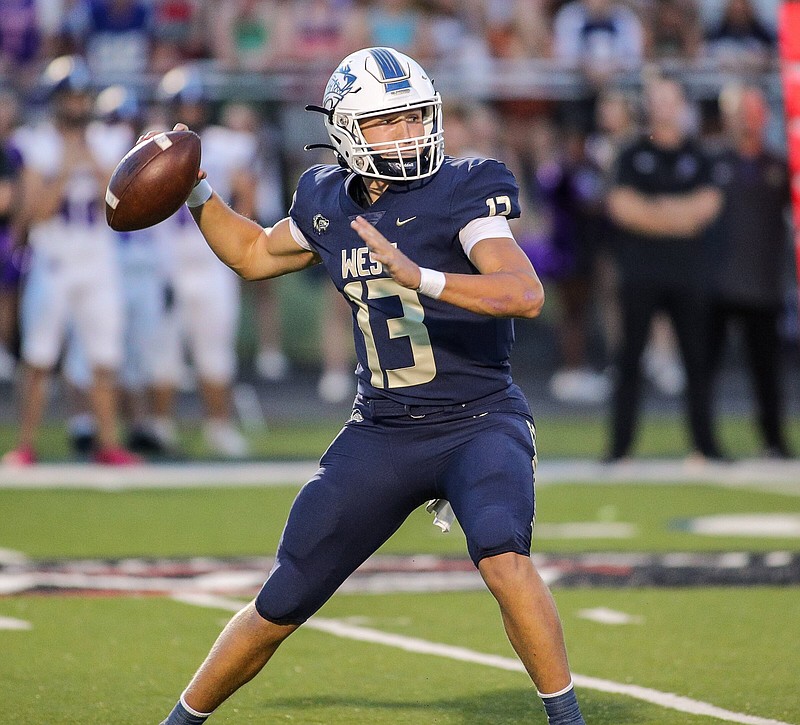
[[201, 174], [405, 272]]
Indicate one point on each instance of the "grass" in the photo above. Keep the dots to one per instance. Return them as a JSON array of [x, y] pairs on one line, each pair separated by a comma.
[[93, 660], [90, 660], [558, 436], [248, 521]]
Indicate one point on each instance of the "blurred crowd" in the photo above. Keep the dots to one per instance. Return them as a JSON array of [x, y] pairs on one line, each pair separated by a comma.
[[657, 219], [138, 36]]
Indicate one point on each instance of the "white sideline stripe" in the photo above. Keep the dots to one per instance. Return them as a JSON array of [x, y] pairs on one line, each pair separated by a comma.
[[179, 475], [666, 700], [775, 476]]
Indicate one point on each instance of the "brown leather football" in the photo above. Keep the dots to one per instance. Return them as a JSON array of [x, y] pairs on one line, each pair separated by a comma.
[[152, 181]]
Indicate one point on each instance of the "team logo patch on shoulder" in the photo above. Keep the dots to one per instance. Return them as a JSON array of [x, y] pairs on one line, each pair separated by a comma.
[[320, 223]]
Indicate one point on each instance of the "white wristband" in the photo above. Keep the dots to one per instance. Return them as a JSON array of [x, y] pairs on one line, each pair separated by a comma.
[[200, 194], [431, 282]]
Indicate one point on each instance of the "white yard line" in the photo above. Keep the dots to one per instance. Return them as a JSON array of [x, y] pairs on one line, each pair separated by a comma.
[[775, 476], [337, 628]]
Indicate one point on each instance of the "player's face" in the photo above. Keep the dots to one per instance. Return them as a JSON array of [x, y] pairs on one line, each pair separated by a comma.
[[394, 128]]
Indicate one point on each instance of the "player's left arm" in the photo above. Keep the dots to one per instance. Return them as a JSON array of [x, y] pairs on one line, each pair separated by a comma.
[[507, 285]]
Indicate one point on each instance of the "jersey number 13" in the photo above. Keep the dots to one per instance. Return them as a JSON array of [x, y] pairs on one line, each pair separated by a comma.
[[409, 325]]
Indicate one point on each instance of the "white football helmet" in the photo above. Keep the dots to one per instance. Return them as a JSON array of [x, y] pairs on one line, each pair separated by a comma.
[[373, 82]]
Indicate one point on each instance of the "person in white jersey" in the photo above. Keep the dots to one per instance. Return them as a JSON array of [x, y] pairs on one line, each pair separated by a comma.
[[118, 121], [74, 279], [205, 314]]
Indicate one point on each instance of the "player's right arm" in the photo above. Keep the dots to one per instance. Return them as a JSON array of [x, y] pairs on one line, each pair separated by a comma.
[[248, 249]]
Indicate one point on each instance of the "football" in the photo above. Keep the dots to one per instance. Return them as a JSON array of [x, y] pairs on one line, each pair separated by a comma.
[[152, 181]]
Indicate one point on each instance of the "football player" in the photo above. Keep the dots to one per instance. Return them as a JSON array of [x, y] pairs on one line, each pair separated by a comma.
[[74, 278], [118, 120], [204, 313], [419, 245], [10, 251]]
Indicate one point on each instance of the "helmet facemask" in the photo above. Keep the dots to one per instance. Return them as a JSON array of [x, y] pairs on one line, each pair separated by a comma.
[[405, 159]]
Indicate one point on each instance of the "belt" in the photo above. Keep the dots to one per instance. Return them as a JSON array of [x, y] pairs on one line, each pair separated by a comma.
[[385, 408]]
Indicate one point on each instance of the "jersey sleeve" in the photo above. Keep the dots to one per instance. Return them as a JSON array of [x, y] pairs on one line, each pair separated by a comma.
[[298, 212], [484, 188]]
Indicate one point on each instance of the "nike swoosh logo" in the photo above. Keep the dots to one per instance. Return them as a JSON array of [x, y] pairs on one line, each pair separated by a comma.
[[401, 222]]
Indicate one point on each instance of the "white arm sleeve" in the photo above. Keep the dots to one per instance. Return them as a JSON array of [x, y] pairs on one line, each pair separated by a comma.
[[487, 227], [299, 237]]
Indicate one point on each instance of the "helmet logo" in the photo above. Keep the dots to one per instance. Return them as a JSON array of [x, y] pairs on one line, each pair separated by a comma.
[[340, 84], [320, 223], [392, 73]]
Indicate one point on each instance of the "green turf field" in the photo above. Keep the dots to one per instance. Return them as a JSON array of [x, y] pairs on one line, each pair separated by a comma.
[[123, 660], [577, 436], [727, 646], [248, 521], [92, 659]]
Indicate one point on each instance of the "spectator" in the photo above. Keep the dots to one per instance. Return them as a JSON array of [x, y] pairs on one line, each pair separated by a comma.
[[119, 35], [567, 189], [740, 40], [600, 37], [74, 279], [662, 202], [473, 130], [180, 32], [315, 34], [395, 24], [616, 126], [66, 24], [245, 34], [10, 251], [673, 30], [20, 38], [517, 29], [455, 34], [752, 254]]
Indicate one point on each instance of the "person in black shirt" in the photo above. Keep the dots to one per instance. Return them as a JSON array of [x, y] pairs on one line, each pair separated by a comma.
[[751, 253], [661, 203]]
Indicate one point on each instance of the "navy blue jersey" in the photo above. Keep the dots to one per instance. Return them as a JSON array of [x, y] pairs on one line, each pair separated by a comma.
[[411, 348]]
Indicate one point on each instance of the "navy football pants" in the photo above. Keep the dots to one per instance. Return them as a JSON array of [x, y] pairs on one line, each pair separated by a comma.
[[378, 470]]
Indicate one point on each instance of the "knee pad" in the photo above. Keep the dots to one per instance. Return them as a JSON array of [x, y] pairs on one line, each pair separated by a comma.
[[286, 597], [499, 532]]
